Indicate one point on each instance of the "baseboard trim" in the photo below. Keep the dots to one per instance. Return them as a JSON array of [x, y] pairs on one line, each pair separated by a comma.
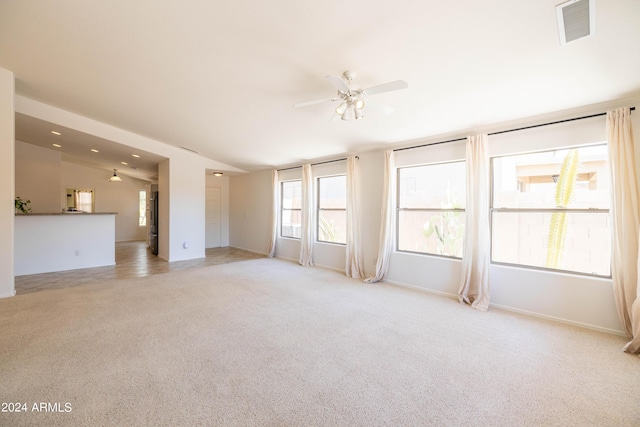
[[9, 295], [419, 288], [248, 250], [516, 310], [286, 258], [338, 270], [559, 320]]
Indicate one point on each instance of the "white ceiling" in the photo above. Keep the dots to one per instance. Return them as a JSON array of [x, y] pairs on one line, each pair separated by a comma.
[[221, 77], [89, 150]]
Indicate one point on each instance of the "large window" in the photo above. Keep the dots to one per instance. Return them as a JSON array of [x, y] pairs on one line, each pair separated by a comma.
[[431, 209], [290, 209], [142, 208], [551, 210], [332, 209]]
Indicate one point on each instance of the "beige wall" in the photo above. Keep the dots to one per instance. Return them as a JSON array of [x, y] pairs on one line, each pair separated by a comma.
[[7, 182], [38, 177], [250, 211], [42, 177]]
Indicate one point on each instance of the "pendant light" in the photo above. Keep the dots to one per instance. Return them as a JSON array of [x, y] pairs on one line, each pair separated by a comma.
[[115, 178]]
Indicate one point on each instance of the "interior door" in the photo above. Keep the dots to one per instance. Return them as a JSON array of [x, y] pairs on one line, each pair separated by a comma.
[[213, 217]]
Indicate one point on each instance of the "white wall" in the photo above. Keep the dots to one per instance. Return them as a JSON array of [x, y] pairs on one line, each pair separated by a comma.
[[7, 182], [59, 242], [185, 187], [221, 182], [576, 299], [250, 211], [370, 167], [164, 209], [38, 177]]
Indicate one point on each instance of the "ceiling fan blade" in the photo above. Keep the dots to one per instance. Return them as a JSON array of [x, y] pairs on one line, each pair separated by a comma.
[[338, 83], [386, 87], [319, 101], [378, 107]]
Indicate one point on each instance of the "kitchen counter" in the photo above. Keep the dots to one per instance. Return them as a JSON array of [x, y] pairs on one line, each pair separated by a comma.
[[67, 213], [47, 242]]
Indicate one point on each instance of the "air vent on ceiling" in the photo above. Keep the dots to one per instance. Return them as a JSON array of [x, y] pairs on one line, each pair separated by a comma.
[[576, 19], [188, 149]]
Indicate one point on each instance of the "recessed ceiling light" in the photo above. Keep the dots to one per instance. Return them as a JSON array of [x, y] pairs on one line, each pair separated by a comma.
[[136, 156], [124, 163], [57, 145], [56, 132], [94, 150]]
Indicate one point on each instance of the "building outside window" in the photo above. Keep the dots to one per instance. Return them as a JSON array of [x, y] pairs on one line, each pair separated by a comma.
[[550, 210], [291, 209], [332, 209], [431, 209]]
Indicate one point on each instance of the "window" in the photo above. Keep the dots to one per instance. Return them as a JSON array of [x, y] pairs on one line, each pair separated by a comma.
[[332, 209], [290, 209], [142, 208], [84, 200], [550, 210], [431, 209]]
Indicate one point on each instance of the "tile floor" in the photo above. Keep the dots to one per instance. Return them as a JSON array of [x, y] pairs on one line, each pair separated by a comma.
[[133, 259]]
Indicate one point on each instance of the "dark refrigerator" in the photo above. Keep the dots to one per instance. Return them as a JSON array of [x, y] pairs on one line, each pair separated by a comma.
[[153, 221]]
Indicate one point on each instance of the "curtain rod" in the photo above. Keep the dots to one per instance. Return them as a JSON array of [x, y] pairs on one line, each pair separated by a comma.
[[509, 130], [553, 123], [430, 143], [316, 164]]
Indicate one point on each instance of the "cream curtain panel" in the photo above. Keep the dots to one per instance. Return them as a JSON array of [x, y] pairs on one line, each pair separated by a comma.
[[474, 280], [385, 245], [625, 216], [306, 240], [274, 213], [353, 266]]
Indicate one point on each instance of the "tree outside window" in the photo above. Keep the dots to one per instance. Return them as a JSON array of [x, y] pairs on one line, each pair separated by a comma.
[[291, 209], [431, 209], [550, 210], [332, 209]]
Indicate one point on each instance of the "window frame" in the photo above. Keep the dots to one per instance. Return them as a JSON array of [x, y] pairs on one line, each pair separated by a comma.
[[435, 210], [142, 208], [493, 210], [282, 208], [319, 209]]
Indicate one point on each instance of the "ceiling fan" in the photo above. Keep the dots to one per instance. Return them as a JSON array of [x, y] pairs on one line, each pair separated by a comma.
[[352, 100]]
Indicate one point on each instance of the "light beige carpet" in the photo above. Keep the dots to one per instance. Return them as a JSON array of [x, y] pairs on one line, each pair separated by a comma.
[[268, 342]]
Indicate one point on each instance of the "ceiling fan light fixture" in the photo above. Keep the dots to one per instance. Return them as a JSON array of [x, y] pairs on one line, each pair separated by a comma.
[[353, 98], [115, 178], [346, 116]]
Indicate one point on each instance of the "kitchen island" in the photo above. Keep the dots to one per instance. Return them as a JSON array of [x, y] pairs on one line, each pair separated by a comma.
[[48, 242]]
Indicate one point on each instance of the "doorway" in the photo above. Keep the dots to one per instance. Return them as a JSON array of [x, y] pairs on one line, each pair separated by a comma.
[[213, 217]]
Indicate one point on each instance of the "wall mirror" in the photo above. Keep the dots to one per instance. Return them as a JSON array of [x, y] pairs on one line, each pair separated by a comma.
[[80, 200]]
